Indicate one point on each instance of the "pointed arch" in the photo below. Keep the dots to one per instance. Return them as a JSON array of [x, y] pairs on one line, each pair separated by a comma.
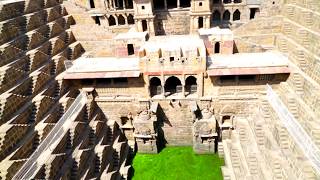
[[130, 19], [236, 15], [121, 20], [226, 16], [216, 16], [112, 21]]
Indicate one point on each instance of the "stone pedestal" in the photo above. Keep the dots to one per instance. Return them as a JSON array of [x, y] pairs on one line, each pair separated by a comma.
[[205, 134], [144, 133]]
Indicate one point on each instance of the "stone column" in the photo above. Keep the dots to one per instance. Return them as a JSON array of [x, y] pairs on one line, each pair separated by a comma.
[[137, 24], [150, 26], [200, 85], [183, 83], [207, 22], [113, 4], [165, 5], [116, 18], [162, 84], [178, 3], [124, 4], [126, 20]]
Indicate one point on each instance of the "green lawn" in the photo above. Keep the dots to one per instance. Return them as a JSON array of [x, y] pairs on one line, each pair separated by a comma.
[[177, 163]]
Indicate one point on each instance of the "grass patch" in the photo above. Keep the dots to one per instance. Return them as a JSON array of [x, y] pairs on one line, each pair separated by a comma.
[[177, 163]]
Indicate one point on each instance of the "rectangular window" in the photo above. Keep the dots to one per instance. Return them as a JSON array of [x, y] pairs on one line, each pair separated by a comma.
[[130, 48], [97, 20], [253, 12]]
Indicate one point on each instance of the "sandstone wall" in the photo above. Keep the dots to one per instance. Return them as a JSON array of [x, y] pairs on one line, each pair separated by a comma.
[[172, 22]]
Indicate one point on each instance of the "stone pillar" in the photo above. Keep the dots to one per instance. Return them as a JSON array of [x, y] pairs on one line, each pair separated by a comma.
[[116, 18], [165, 5], [200, 85], [124, 4], [178, 4], [137, 24], [163, 82], [126, 20], [183, 83], [113, 4], [207, 22], [150, 26]]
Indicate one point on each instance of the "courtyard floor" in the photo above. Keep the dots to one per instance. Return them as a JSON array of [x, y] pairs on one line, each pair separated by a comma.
[[175, 163]]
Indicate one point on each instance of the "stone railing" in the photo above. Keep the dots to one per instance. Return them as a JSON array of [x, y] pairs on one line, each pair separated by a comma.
[[301, 137], [36, 160]]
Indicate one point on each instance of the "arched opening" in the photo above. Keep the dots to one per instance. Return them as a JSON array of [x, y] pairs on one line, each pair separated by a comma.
[[217, 48], [226, 122], [200, 22], [236, 15], [112, 21], [216, 16], [237, 1], [226, 16], [121, 20], [130, 4], [119, 4], [92, 4], [172, 85], [144, 25], [191, 85], [158, 4], [130, 19], [155, 86], [185, 3], [171, 4]]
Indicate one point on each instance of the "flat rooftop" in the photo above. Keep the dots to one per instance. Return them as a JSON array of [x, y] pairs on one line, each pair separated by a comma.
[[272, 62], [106, 67], [215, 31]]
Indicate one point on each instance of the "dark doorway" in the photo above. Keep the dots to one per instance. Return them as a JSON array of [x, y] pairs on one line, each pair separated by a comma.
[[92, 4], [112, 21], [236, 15], [185, 3], [155, 86], [237, 1], [121, 20], [171, 4], [216, 1], [216, 16], [200, 22], [130, 49], [97, 20], [226, 16], [191, 85], [158, 4], [217, 48], [130, 19], [253, 12], [172, 85], [144, 25], [226, 1]]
